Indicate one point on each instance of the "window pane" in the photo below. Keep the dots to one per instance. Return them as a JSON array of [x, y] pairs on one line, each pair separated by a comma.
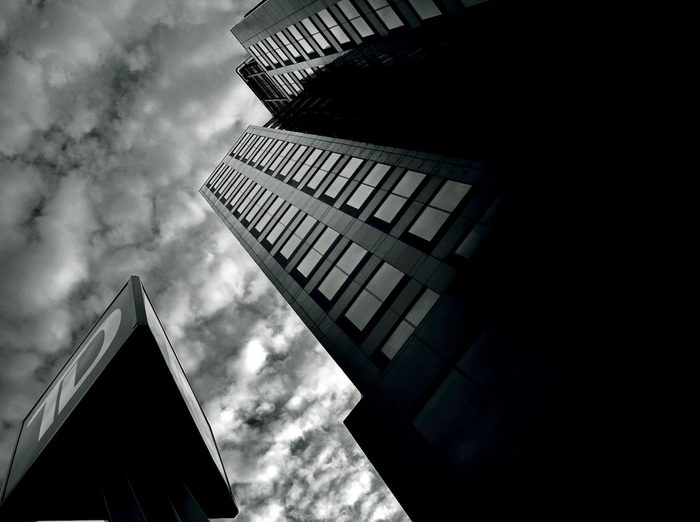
[[316, 179], [340, 35], [390, 208], [327, 18], [384, 281], [449, 196], [363, 309], [325, 240], [421, 308], [330, 161], [283, 154], [375, 176], [360, 196], [321, 41], [308, 263], [348, 9], [334, 188], [377, 4], [389, 17], [409, 181], [309, 26], [467, 247], [351, 258], [304, 227], [290, 246], [362, 27], [428, 223], [397, 340], [275, 233], [425, 8], [295, 33], [332, 283]]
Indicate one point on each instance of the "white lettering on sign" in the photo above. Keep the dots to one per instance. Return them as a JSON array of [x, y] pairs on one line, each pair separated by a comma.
[[83, 364]]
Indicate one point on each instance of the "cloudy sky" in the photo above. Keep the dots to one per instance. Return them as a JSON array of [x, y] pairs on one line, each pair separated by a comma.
[[112, 114]]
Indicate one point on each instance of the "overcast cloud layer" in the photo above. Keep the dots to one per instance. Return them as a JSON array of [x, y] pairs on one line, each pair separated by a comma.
[[112, 114]]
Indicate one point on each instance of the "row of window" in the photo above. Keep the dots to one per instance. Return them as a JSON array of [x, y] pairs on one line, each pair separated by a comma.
[[324, 175], [249, 201], [327, 32]]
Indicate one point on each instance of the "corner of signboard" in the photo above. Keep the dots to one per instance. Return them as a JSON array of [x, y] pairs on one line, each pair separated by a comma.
[[138, 293]]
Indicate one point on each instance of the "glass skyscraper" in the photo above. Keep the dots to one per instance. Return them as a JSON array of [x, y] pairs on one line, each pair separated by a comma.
[[405, 246]]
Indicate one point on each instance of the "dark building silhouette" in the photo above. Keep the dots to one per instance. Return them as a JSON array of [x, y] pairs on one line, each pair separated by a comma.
[[400, 200], [118, 435]]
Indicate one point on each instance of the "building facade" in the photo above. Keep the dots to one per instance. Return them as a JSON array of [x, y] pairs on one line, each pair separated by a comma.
[[397, 199], [400, 263]]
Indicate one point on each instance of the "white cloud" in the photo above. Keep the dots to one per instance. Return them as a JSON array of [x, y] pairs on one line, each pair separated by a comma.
[[112, 115]]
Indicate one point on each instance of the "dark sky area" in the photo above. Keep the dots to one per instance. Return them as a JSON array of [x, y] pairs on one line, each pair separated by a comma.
[[112, 114]]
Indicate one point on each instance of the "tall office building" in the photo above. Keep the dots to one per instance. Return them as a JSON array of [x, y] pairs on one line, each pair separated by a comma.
[[417, 253]]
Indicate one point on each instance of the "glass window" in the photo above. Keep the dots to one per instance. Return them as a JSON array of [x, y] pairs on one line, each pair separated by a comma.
[[386, 13], [319, 248], [253, 148], [363, 309], [301, 40], [276, 48], [406, 327], [248, 145], [241, 143], [396, 200], [408, 183], [428, 223], [449, 196], [434, 215], [297, 237], [352, 257], [288, 45], [234, 186], [217, 175], [240, 191], [259, 56], [347, 172], [317, 178], [373, 295], [384, 281], [270, 154], [315, 34], [365, 189], [308, 263], [401, 334], [250, 216], [293, 160], [332, 283], [332, 25], [355, 19], [345, 266], [249, 199], [223, 181], [307, 165], [425, 8], [283, 222], [284, 154], [470, 243], [421, 307], [268, 54], [390, 208], [229, 184], [262, 149], [269, 213]]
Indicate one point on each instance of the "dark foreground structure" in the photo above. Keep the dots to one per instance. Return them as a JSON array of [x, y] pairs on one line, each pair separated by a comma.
[[118, 435], [401, 200]]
